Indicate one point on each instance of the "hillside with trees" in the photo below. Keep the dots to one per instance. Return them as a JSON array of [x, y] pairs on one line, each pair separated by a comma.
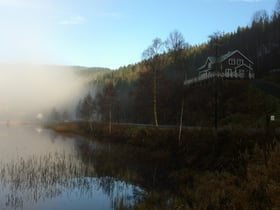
[[152, 91], [233, 167]]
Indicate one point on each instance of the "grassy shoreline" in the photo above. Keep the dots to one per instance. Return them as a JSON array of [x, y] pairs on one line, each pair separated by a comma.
[[202, 148], [228, 169]]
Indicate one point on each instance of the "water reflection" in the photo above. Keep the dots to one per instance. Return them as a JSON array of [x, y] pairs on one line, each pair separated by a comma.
[[44, 171], [129, 163]]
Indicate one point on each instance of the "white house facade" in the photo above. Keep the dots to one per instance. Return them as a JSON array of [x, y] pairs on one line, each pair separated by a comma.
[[232, 65]]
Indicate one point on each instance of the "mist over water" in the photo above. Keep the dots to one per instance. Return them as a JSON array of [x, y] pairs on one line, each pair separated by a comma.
[[42, 170], [27, 87], [38, 169], [26, 90]]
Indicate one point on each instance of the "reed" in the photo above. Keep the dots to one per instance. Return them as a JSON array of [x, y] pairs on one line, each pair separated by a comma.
[[43, 177]]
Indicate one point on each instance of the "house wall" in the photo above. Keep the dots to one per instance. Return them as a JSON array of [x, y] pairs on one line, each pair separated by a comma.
[[226, 69], [226, 65]]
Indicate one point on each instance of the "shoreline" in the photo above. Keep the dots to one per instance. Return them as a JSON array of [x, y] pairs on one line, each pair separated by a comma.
[[232, 163]]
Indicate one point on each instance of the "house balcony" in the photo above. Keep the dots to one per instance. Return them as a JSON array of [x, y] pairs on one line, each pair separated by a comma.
[[221, 75]]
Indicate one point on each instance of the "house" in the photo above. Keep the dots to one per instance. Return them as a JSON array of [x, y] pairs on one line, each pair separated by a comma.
[[232, 65]]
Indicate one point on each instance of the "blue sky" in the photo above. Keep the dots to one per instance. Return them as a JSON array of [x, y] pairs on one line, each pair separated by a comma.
[[111, 33]]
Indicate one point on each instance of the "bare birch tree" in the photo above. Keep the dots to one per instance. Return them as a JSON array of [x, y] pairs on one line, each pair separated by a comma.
[[152, 60], [175, 44], [277, 7]]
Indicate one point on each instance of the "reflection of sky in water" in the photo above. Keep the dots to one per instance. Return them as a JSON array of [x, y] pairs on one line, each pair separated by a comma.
[[23, 141], [93, 196], [39, 187]]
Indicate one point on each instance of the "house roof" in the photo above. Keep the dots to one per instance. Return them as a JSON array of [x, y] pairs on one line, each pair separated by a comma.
[[242, 65], [222, 58]]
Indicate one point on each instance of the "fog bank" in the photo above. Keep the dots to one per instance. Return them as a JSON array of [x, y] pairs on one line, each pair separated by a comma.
[[26, 90]]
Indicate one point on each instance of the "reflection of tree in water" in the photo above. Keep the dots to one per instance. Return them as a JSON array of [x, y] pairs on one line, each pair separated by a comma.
[[128, 163], [116, 191], [46, 177]]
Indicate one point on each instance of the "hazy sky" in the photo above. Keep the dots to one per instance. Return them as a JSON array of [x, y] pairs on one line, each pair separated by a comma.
[[111, 33]]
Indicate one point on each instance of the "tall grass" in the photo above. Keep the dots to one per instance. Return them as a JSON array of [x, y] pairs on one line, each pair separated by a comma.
[[44, 177]]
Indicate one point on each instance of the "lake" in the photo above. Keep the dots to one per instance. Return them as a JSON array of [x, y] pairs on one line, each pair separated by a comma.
[[40, 169]]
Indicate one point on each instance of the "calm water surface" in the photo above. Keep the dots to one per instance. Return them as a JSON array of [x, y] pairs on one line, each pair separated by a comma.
[[42, 170]]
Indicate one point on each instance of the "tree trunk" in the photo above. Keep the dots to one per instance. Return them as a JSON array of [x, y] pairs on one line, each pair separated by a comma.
[[216, 104], [90, 125], [155, 99], [110, 119], [181, 120]]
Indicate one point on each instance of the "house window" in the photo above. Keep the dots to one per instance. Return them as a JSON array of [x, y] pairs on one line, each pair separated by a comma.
[[231, 61], [240, 61], [241, 73], [228, 72]]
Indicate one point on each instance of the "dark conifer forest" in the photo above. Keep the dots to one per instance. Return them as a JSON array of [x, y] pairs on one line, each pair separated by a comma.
[[137, 93]]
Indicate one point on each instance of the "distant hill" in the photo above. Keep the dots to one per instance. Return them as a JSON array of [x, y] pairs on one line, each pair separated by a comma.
[[86, 74], [80, 74], [90, 72], [89, 69]]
